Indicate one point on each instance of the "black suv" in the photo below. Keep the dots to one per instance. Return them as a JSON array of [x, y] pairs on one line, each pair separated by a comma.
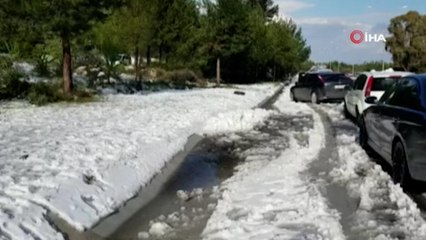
[[320, 87]]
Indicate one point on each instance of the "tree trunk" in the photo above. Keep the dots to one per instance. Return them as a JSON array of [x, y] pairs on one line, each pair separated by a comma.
[[108, 73], [148, 55], [275, 71], [66, 65], [137, 63], [218, 71], [160, 53]]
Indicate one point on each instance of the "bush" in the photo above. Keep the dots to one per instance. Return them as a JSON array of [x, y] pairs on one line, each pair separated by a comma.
[[43, 93], [12, 84], [181, 77]]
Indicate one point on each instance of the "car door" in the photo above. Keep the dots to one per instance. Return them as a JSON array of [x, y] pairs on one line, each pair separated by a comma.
[[399, 113], [355, 93], [297, 89], [307, 87]]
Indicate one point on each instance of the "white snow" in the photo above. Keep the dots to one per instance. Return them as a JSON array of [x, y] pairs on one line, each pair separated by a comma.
[[270, 198], [83, 161], [143, 235], [235, 121], [379, 196], [159, 229]]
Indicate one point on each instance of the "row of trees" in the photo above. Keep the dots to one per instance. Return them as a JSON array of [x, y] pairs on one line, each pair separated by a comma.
[[232, 40], [338, 66], [407, 42]]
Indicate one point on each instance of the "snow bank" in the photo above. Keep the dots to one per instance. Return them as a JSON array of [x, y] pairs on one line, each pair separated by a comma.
[[235, 121], [83, 161], [269, 197], [385, 211]]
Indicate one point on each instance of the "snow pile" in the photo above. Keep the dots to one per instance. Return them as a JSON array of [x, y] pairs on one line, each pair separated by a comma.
[[159, 229], [269, 197], [286, 106], [24, 67], [385, 211], [81, 162], [235, 121]]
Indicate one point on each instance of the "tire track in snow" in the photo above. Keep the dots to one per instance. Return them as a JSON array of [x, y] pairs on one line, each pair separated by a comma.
[[384, 211]]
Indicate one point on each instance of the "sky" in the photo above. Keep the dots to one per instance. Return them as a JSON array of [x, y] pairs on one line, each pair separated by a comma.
[[327, 24]]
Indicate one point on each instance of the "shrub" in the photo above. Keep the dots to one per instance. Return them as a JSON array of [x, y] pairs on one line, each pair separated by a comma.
[[42, 93], [12, 84], [181, 77]]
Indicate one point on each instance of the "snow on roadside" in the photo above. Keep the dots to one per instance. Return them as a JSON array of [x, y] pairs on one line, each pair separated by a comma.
[[385, 211], [83, 161], [269, 197], [242, 120]]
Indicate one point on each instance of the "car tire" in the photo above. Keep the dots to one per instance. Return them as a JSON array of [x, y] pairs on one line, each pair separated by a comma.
[[345, 109], [400, 171], [314, 98], [363, 136], [292, 97]]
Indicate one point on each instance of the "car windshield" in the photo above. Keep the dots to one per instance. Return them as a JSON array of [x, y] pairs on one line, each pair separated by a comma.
[[383, 83]]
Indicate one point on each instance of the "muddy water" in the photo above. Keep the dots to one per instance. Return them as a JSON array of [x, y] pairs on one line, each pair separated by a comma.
[[206, 166]]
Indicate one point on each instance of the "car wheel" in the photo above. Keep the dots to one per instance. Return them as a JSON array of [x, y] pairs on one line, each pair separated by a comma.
[[293, 98], [314, 98], [400, 172], [363, 136], [345, 109]]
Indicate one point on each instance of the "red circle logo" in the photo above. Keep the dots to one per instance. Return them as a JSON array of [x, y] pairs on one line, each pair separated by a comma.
[[357, 36]]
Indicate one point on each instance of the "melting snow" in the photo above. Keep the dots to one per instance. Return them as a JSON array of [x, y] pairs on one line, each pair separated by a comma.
[[83, 161]]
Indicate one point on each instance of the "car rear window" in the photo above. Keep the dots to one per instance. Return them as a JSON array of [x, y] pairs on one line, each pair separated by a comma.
[[331, 77], [382, 84]]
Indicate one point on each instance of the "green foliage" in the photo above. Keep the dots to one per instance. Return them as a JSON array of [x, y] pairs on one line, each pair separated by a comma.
[[407, 42], [180, 34], [268, 8], [349, 68], [181, 77], [11, 81], [43, 93]]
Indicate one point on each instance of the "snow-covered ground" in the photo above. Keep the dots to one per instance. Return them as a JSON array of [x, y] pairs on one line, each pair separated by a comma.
[[270, 196], [83, 161], [385, 211]]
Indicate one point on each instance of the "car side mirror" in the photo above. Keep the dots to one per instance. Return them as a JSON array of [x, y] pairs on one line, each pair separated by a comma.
[[371, 100]]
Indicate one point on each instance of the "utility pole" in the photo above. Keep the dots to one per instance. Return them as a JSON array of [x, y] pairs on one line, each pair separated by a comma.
[[383, 65], [353, 68]]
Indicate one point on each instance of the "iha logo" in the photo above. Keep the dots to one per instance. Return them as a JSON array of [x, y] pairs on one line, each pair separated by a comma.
[[358, 37]]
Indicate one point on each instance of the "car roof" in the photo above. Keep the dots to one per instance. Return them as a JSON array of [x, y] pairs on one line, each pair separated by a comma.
[[325, 73], [421, 77], [387, 74]]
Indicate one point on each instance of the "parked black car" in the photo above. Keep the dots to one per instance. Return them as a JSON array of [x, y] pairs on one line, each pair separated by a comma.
[[319, 87], [395, 128]]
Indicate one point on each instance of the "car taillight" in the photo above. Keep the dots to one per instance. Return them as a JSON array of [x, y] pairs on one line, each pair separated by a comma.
[[368, 87]]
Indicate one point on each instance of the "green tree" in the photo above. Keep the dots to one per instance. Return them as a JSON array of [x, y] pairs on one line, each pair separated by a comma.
[[108, 42], [137, 29], [407, 42], [269, 9], [226, 30], [67, 19]]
